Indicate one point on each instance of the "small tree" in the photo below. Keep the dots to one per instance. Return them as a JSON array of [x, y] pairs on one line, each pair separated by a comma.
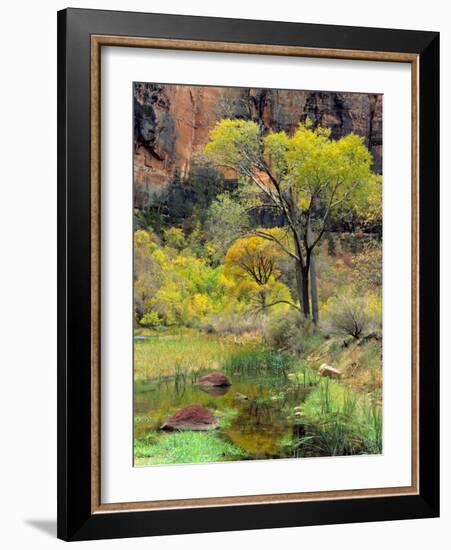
[[253, 259], [226, 220], [150, 320], [349, 315], [175, 238], [307, 177]]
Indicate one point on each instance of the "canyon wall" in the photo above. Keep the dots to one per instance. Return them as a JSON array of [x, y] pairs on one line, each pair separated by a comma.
[[172, 123]]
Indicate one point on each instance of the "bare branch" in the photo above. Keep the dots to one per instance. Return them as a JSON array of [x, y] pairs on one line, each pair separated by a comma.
[[297, 308], [271, 237]]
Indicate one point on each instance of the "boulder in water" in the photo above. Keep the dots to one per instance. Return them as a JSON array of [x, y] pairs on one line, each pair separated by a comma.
[[214, 379], [240, 397], [330, 372]]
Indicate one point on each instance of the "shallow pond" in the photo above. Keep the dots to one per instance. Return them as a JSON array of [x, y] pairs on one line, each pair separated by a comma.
[[260, 409]]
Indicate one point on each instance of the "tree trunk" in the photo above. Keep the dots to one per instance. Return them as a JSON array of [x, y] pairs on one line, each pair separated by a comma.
[[262, 297], [311, 264], [302, 288], [305, 291], [314, 290], [302, 278], [302, 275], [298, 273]]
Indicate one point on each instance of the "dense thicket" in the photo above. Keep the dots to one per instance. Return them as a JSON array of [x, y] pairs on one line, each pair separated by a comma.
[[299, 227]]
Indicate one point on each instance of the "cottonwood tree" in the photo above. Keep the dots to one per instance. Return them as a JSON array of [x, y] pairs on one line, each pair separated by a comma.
[[226, 220], [254, 263], [308, 177]]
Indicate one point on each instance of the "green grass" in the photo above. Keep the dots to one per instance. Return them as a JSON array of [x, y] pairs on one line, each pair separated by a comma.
[[261, 362], [312, 342], [184, 448], [303, 375], [183, 354], [226, 417], [336, 417], [145, 386], [180, 353], [339, 421]]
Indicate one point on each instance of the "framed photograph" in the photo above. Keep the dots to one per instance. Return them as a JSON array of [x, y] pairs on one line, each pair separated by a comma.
[[248, 274]]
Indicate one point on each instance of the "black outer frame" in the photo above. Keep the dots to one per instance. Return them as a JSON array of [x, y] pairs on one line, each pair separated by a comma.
[[75, 520]]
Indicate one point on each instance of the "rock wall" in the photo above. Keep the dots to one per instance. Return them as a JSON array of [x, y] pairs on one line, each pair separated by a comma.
[[172, 123]]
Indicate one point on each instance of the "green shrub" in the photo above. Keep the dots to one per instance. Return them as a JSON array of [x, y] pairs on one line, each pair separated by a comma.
[[289, 331], [150, 320], [350, 315]]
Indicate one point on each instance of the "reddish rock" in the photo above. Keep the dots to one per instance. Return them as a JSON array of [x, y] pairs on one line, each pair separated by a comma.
[[192, 417], [215, 379], [172, 124]]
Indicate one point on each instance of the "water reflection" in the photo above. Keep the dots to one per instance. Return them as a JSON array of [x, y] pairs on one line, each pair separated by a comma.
[[216, 391], [264, 406]]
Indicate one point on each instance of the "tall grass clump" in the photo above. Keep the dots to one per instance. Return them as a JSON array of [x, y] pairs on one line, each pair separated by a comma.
[[178, 353], [373, 429], [258, 362], [339, 422]]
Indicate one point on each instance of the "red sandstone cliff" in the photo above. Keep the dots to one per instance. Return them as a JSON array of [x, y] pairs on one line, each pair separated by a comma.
[[172, 123]]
